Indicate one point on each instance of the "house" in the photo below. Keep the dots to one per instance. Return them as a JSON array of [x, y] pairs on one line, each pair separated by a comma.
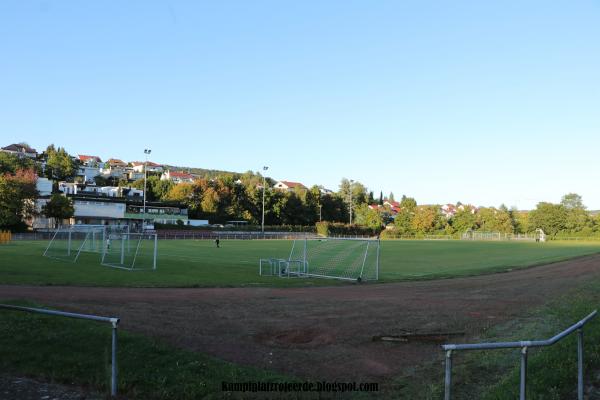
[[88, 173], [20, 150], [115, 162], [448, 210], [90, 161], [177, 177], [394, 206], [288, 186], [324, 191], [138, 166], [43, 186]]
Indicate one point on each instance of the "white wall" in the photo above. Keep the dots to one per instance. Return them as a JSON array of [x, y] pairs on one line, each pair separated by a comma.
[[84, 208]]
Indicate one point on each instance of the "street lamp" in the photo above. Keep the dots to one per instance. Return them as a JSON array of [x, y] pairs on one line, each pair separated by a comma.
[[320, 207], [351, 182], [265, 168], [146, 152]]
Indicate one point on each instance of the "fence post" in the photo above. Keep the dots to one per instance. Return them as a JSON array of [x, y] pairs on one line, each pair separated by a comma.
[[580, 364], [448, 379], [523, 385], [113, 386]]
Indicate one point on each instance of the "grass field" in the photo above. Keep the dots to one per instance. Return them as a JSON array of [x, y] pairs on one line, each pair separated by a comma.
[[195, 263]]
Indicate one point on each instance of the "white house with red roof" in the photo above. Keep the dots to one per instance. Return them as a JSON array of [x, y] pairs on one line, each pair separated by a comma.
[[288, 186], [91, 161], [177, 177], [138, 166]]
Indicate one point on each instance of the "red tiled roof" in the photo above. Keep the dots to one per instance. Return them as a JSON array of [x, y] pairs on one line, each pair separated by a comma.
[[178, 174], [83, 157], [292, 184]]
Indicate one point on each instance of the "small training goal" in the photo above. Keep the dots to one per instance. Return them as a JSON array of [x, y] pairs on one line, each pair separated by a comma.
[[537, 236], [131, 251], [115, 245], [336, 258]]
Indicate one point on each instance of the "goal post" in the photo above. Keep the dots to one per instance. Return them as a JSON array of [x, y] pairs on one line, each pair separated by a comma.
[[335, 258], [68, 242], [130, 251]]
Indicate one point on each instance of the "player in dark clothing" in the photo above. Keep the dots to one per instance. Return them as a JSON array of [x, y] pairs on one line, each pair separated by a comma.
[[217, 241]]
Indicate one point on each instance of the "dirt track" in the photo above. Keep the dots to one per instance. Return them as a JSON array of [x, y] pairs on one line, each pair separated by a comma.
[[324, 332]]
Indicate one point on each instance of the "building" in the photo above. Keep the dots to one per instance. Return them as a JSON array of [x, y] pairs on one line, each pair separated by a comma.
[[95, 209], [138, 166], [115, 162], [289, 186], [20, 150], [177, 177], [92, 161], [43, 186]]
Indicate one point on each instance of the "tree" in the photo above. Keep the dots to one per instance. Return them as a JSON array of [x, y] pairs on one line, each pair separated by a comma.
[[59, 208], [10, 163], [463, 220], [17, 198], [408, 203], [551, 218], [59, 164], [366, 216], [427, 219], [572, 201], [391, 196]]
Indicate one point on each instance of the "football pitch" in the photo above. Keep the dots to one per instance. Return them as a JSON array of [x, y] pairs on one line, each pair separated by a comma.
[[198, 263]]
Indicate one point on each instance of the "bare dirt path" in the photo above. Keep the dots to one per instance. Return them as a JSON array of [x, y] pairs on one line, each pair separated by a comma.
[[324, 332]]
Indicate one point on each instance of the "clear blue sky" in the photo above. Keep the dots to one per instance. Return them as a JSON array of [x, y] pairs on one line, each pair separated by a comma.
[[482, 102]]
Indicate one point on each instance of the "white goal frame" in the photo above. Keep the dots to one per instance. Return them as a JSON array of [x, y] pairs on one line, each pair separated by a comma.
[[300, 266], [125, 246], [69, 230]]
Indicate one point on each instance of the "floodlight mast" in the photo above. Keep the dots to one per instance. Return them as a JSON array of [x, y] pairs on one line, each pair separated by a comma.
[[350, 205], [265, 168], [146, 152]]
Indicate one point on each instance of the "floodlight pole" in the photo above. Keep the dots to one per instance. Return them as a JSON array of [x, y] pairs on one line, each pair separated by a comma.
[[351, 182], [265, 168], [146, 152]]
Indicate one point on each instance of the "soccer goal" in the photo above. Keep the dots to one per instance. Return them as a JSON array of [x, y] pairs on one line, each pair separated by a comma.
[[131, 251], [336, 258], [68, 242]]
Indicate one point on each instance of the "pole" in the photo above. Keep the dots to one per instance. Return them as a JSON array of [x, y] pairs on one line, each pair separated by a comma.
[[113, 383], [351, 182], [580, 364], [263, 200], [523, 383], [448, 377]]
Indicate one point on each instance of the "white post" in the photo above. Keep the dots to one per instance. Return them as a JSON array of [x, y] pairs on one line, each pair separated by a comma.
[[146, 152], [155, 249]]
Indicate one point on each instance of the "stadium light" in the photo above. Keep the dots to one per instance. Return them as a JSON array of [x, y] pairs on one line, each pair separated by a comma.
[[351, 182], [146, 152], [265, 168]]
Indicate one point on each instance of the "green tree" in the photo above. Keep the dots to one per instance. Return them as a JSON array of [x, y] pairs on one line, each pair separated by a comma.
[[551, 218], [59, 164], [17, 198], [427, 219], [59, 207], [408, 203], [368, 217], [10, 163]]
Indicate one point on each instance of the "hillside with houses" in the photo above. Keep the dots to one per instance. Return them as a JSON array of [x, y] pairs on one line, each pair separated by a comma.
[[95, 189]]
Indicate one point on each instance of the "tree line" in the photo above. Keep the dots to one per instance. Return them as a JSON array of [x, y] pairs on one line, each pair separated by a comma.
[[233, 196]]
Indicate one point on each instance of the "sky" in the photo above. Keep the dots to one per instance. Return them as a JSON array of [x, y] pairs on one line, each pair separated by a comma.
[[481, 102]]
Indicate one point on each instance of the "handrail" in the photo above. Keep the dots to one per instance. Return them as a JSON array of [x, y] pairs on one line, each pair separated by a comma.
[[524, 346], [114, 321]]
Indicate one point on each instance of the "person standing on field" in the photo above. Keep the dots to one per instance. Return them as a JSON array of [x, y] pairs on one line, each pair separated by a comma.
[[217, 241]]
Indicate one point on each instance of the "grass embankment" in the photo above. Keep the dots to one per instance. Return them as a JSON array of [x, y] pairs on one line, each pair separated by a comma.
[[494, 375], [65, 350], [195, 263]]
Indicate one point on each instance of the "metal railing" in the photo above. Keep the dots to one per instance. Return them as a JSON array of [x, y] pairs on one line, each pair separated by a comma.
[[113, 321], [524, 346]]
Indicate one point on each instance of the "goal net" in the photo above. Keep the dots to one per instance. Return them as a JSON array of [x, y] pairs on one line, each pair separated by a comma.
[[337, 258], [68, 242], [131, 251], [537, 236]]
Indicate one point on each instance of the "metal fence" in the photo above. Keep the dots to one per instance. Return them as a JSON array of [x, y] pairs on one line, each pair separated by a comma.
[[523, 346], [112, 320]]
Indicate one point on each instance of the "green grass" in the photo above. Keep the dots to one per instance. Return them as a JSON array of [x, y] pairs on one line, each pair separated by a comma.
[[194, 263], [65, 350], [494, 375]]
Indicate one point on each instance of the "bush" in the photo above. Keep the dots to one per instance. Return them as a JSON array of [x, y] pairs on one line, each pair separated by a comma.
[[336, 228]]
